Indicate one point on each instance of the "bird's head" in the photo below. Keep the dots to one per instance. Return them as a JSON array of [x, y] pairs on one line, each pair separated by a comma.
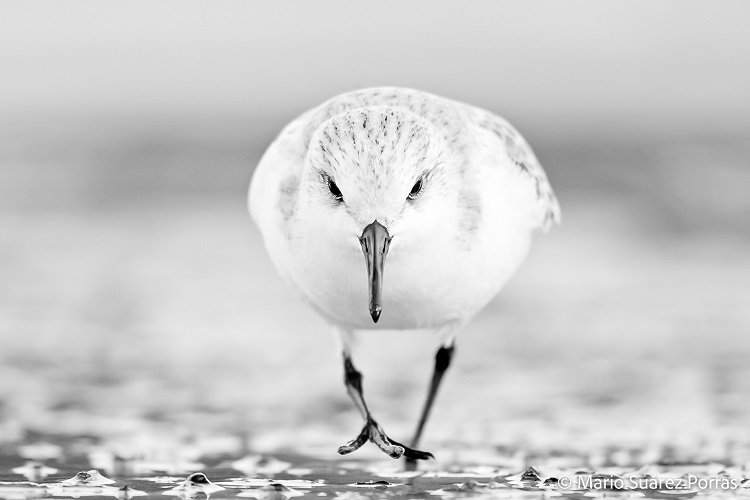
[[379, 176]]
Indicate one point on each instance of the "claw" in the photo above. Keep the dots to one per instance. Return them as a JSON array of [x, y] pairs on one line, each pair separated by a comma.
[[373, 432]]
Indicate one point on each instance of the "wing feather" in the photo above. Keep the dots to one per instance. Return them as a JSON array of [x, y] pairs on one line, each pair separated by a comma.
[[520, 152]]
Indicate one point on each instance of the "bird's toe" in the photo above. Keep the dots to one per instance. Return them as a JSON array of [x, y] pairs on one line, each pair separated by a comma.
[[373, 432], [357, 442], [382, 441], [393, 448], [412, 454]]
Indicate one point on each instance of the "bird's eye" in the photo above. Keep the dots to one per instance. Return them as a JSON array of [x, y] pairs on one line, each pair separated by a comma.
[[335, 191], [416, 189]]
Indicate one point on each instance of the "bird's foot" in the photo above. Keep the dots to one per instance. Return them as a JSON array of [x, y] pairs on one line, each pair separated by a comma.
[[373, 432]]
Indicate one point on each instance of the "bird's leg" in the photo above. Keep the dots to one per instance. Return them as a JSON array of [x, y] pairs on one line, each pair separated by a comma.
[[442, 362], [372, 430], [353, 382]]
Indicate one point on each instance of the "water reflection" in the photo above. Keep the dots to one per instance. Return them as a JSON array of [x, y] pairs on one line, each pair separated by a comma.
[[359, 482], [34, 471], [259, 464], [273, 491]]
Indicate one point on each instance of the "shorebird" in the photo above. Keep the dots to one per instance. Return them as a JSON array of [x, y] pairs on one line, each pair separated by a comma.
[[450, 193]]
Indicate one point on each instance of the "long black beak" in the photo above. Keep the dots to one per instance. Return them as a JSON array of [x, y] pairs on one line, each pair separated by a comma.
[[375, 241]]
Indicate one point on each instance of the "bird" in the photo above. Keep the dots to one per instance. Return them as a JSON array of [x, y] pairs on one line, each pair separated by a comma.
[[439, 198]]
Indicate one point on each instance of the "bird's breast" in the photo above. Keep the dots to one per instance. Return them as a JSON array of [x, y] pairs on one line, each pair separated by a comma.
[[423, 286]]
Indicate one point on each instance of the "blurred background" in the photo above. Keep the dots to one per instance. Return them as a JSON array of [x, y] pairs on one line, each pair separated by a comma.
[[136, 295]]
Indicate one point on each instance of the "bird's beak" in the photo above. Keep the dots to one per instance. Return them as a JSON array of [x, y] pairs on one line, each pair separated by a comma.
[[375, 241]]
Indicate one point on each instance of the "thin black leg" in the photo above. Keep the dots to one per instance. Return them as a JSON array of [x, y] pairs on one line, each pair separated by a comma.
[[372, 430], [442, 362], [353, 382]]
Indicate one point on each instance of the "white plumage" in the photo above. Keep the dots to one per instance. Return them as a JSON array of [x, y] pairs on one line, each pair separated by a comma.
[[456, 193]]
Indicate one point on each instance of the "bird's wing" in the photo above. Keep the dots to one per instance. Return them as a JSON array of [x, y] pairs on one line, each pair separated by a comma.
[[276, 164], [519, 151], [273, 193]]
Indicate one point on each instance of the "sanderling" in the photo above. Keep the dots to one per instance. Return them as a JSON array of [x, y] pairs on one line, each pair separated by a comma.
[[450, 193]]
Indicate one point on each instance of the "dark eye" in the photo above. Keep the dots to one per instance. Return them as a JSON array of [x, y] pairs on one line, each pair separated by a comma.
[[334, 189], [416, 189]]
